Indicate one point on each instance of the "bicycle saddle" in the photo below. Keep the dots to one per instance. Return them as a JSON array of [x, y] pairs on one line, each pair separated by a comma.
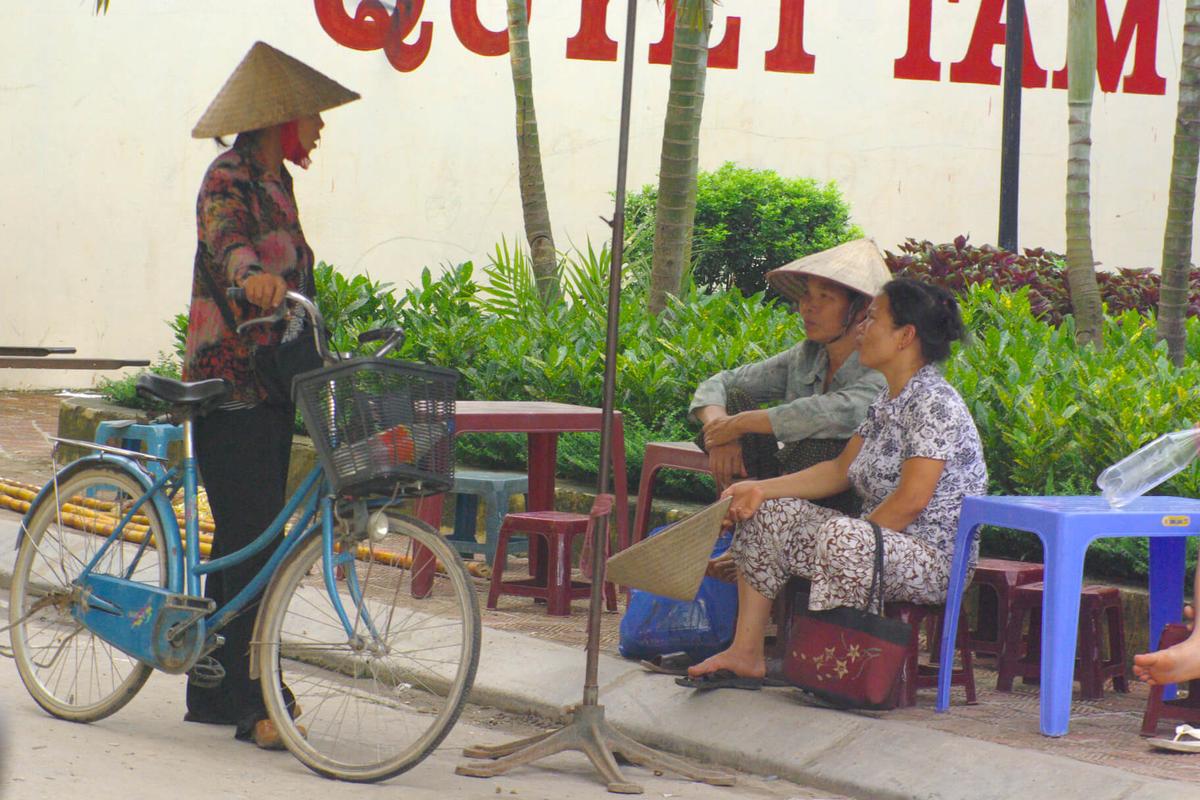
[[178, 393]]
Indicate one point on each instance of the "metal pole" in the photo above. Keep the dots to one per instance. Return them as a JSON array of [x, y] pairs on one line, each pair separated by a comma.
[[1010, 137], [600, 539], [588, 732]]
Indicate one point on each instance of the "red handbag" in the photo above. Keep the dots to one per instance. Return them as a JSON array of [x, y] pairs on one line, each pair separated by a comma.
[[849, 657]]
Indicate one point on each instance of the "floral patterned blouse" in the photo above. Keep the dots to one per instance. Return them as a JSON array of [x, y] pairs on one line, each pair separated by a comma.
[[928, 419], [247, 222]]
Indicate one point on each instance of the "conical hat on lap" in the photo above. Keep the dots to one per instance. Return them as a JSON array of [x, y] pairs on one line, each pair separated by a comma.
[[672, 562]]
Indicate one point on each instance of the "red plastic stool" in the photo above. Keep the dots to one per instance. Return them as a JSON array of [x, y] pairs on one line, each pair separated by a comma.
[[1096, 603], [558, 528], [996, 579], [677, 455], [924, 676], [1186, 709]]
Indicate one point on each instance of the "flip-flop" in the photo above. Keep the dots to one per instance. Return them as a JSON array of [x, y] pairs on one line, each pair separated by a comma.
[[721, 679], [1187, 740], [668, 664]]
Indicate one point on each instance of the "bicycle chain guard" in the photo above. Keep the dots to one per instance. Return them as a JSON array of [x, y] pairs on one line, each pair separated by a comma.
[[154, 625]]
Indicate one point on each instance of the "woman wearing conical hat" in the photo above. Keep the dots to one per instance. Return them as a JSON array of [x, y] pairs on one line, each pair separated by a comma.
[[249, 236], [816, 393]]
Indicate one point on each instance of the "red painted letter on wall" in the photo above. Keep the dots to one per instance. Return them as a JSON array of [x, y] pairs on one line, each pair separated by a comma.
[[788, 54], [372, 29], [917, 64], [464, 16], [720, 56], [592, 43], [977, 65], [366, 31], [1140, 18]]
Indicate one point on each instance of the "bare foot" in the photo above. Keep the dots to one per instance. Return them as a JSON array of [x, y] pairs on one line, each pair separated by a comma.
[[1175, 664], [745, 665]]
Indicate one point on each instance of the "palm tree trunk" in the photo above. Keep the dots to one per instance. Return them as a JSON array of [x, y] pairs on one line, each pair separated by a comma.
[[1177, 240], [534, 206], [1081, 265], [676, 209]]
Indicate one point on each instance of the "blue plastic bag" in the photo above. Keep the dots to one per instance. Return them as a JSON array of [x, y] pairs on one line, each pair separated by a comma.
[[654, 625]]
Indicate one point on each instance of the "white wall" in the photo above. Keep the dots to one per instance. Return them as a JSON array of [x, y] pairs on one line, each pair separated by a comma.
[[99, 174]]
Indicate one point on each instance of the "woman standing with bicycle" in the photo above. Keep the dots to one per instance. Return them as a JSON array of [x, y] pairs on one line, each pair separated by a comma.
[[249, 236]]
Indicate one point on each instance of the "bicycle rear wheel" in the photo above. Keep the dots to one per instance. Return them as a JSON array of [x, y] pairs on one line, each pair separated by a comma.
[[69, 671], [374, 702]]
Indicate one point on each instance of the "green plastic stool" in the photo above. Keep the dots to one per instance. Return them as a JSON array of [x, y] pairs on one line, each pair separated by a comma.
[[496, 488]]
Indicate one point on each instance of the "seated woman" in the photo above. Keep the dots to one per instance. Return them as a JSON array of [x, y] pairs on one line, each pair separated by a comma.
[[912, 461], [817, 391]]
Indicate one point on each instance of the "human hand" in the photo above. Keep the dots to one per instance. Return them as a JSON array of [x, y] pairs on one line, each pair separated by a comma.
[[747, 497], [722, 568], [725, 461], [265, 290], [721, 430]]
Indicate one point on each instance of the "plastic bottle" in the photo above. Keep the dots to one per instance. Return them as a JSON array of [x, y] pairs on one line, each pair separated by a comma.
[[1142, 470]]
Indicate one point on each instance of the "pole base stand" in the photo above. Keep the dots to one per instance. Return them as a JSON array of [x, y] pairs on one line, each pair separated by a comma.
[[589, 733]]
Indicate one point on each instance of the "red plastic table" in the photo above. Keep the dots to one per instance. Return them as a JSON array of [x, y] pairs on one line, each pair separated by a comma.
[[542, 422]]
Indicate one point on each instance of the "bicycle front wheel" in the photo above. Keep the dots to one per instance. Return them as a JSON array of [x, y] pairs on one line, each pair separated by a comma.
[[372, 701], [71, 672]]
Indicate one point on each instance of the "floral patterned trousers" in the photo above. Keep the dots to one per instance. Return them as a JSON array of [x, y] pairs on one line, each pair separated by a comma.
[[837, 554]]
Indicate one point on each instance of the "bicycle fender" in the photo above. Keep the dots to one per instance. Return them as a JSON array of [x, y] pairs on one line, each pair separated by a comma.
[[129, 466]]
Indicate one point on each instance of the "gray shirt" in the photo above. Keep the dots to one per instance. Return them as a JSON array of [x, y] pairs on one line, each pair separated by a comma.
[[794, 380]]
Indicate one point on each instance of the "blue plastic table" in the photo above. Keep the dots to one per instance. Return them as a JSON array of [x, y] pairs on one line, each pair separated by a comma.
[[1066, 526]]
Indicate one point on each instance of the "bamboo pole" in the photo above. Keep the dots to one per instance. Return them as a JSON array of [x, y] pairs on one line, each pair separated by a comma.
[[87, 514]]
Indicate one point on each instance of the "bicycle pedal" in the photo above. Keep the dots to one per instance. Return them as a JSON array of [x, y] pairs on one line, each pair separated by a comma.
[[206, 673]]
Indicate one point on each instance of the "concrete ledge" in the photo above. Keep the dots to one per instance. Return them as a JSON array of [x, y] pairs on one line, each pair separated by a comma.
[[775, 732]]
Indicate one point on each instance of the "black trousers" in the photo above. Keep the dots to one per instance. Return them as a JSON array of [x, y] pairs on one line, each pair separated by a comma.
[[243, 458]]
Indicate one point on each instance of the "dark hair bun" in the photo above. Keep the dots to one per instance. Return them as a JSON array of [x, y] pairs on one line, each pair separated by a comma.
[[931, 310]]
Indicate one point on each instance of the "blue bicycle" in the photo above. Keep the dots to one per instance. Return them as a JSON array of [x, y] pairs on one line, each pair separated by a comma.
[[361, 677]]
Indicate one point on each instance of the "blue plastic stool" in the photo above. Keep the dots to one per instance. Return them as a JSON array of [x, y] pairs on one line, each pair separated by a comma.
[[151, 439], [495, 488]]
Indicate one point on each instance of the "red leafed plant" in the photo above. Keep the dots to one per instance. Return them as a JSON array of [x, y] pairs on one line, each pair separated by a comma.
[[957, 265]]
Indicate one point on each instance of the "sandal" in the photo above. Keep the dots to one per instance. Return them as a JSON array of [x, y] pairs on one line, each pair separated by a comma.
[[267, 737], [668, 664], [720, 679], [1187, 740]]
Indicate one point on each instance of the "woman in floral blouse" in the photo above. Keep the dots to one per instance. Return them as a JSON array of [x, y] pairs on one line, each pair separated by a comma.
[[249, 236], [912, 461]]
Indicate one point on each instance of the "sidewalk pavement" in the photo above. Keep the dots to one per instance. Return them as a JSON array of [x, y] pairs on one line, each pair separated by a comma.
[[776, 732]]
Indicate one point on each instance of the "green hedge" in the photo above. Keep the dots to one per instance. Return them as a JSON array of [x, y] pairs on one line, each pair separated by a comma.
[[1051, 415]]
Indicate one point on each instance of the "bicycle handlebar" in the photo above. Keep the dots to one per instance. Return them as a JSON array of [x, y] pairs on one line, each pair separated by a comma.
[[393, 337], [314, 314]]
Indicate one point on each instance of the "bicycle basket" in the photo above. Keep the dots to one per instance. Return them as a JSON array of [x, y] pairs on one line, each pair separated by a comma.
[[381, 426]]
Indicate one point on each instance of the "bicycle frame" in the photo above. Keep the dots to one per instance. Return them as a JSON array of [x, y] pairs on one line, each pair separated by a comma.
[[184, 568], [189, 621]]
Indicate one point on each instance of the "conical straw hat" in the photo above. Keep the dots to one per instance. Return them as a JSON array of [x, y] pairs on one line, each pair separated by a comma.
[[269, 88], [671, 563], [857, 265]]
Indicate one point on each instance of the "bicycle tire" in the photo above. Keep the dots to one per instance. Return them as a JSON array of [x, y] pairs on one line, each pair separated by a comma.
[[374, 704], [69, 671]]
